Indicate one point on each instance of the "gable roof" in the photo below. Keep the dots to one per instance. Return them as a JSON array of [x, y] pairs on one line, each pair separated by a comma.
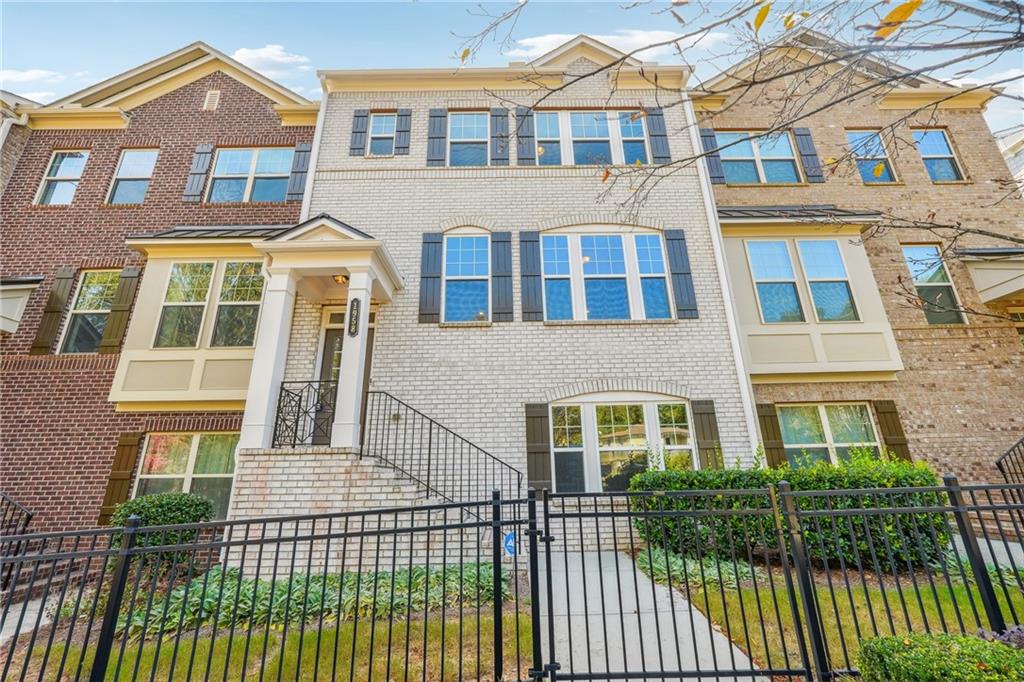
[[586, 47]]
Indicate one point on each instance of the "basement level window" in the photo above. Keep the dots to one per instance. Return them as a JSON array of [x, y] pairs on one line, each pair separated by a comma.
[[198, 463]]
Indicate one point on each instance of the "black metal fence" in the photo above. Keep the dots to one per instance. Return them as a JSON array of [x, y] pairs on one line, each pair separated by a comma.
[[305, 413], [741, 584], [14, 521], [443, 462], [1011, 463]]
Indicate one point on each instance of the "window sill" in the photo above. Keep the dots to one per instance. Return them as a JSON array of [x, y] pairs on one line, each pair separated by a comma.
[[606, 323], [116, 207], [237, 204], [50, 207], [486, 323], [953, 182], [770, 185], [897, 183]]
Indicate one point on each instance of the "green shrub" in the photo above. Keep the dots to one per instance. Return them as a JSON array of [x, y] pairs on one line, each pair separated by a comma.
[[708, 572], [164, 509], [903, 539], [938, 658]]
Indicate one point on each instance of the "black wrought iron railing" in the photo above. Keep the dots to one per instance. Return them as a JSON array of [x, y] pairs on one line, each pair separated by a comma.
[[431, 454], [14, 520], [1011, 463], [305, 413]]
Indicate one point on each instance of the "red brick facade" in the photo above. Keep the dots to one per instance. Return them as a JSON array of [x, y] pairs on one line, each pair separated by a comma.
[[58, 430]]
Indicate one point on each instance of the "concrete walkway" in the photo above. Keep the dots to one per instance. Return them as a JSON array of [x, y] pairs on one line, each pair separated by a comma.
[[28, 621], [609, 618]]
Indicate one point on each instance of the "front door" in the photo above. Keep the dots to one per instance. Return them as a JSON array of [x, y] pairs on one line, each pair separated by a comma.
[[330, 368]]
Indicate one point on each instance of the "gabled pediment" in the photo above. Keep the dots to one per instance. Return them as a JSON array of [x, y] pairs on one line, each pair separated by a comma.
[[321, 228], [583, 47]]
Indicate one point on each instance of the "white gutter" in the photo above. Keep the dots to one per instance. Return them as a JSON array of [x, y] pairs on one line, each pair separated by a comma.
[[314, 155], [718, 248]]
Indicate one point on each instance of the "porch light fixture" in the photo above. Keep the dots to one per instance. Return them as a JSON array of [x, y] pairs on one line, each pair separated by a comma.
[[341, 279]]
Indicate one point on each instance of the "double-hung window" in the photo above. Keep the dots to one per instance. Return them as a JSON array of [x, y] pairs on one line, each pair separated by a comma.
[[467, 282], [567, 448], [932, 283], [62, 177], [774, 281], [591, 138], [468, 138], [604, 277], [242, 175], [827, 280], [131, 181], [549, 139], [88, 316], [869, 152], [198, 463], [382, 134], [238, 305], [826, 432], [750, 160], [634, 145], [184, 304], [937, 154]]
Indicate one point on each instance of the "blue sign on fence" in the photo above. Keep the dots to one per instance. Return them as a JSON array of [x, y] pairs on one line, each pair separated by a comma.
[[510, 544]]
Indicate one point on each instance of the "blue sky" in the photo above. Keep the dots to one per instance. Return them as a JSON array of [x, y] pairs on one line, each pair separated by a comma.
[[51, 49]]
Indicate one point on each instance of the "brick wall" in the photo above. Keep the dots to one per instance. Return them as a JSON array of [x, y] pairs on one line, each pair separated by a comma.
[[961, 395], [58, 430], [17, 137]]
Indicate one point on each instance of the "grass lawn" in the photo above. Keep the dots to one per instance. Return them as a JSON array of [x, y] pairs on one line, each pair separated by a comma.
[[318, 654]]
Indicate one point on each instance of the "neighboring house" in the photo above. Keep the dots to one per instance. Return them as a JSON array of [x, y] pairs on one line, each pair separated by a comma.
[[842, 334], [1011, 144], [192, 138]]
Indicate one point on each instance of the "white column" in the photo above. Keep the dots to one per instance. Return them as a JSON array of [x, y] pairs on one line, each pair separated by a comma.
[[345, 430], [268, 360]]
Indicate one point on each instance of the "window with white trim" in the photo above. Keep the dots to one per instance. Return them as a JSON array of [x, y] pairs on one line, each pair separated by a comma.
[[239, 287], [872, 160], [131, 180], [600, 441], [238, 304], [937, 153], [87, 318], [751, 160], [251, 175], [590, 138], [468, 138], [774, 281], [605, 276], [932, 283], [382, 134], [197, 463], [828, 432], [62, 177], [548, 138], [825, 272], [467, 280]]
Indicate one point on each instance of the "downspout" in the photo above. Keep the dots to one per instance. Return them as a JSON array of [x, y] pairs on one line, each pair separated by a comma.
[[307, 195], [718, 248]]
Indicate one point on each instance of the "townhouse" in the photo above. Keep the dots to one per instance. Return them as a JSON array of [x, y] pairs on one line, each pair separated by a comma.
[[191, 138], [847, 332]]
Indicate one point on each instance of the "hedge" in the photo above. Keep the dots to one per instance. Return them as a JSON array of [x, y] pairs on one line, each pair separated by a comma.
[[913, 539], [164, 509], [939, 658]]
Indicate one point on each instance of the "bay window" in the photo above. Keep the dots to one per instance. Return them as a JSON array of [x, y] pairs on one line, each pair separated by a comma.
[[239, 287], [198, 463], [238, 305], [828, 432], [605, 276], [184, 304], [827, 280], [467, 282], [774, 282]]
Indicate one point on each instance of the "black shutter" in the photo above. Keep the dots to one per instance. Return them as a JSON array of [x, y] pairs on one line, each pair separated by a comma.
[[403, 124], [300, 169], [119, 484], [658, 136], [771, 435], [120, 311], [714, 162], [808, 155], [49, 325], [501, 277], [197, 174], [538, 446], [530, 276], [682, 277], [430, 277], [437, 137], [893, 437], [499, 136], [526, 148], [360, 119], [705, 430]]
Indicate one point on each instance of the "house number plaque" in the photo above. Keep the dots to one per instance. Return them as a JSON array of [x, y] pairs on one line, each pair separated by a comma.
[[353, 317]]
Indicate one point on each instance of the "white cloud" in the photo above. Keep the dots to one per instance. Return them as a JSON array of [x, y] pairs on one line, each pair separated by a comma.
[[29, 76], [41, 96], [1002, 112], [272, 60], [625, 40]]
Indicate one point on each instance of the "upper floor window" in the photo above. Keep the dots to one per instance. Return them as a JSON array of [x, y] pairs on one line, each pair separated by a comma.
[[241, 175], [62, 176], [131, 181], [467, 282], [549, 138], [749, 160], [468, 138], [774, 281], [826, 433], [88, 317], [198, 463], [869, 152], [382, 134], [932, 284], [590, 138], [188, 290], [826, 276], [604, 277], [937, 154]]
